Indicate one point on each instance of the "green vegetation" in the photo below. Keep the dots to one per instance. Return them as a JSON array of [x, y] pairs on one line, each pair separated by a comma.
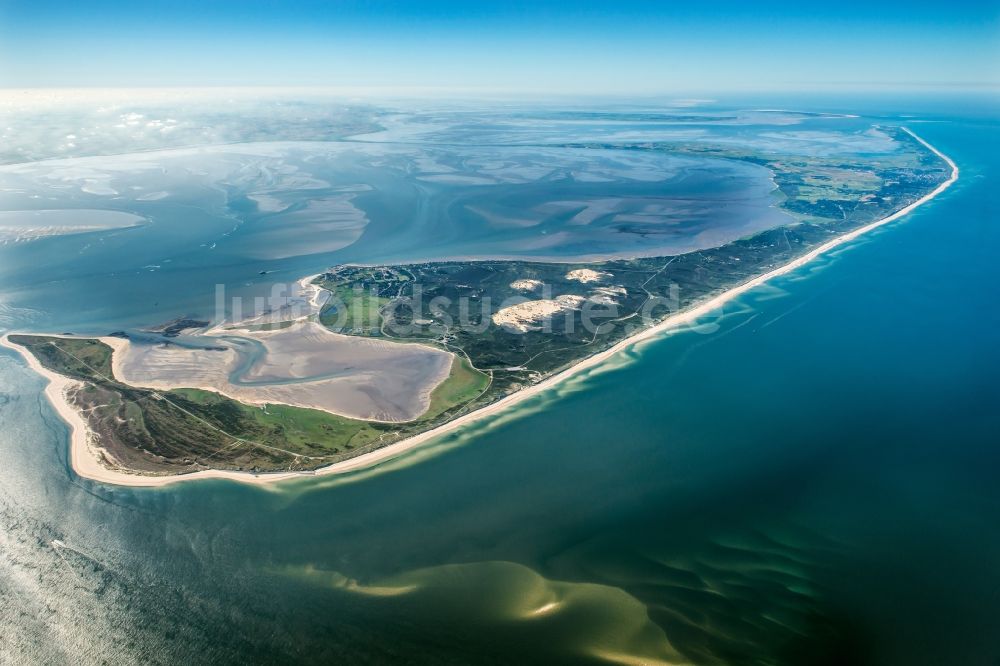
[[78, 359], [464, 384], [186, 430], [355, 304], [309, 431]]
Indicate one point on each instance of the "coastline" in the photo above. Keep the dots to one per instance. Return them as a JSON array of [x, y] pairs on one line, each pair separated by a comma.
[[84, 454]]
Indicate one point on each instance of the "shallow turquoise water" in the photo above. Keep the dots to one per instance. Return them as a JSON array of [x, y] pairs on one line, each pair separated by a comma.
[[328, 203], [808, 478]]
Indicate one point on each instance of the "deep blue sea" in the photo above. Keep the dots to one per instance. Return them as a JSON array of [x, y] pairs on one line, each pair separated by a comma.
[[809, 477]]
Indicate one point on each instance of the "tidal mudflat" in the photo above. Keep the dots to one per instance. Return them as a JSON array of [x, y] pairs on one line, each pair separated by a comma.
[[18, 226], [303, 365]]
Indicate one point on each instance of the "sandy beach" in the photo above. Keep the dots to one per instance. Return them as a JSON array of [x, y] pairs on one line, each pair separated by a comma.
[[86, 455]]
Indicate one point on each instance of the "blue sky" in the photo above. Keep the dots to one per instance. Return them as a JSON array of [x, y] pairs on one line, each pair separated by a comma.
[[558, 47]]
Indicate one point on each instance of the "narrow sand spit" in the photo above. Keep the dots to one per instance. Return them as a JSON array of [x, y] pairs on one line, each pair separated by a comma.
[[85, 456]]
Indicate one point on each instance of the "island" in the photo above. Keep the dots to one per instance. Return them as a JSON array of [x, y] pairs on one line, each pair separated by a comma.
[[387, 357]]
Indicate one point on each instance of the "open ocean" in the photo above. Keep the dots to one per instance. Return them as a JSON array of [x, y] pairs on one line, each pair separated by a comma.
[[810, 477]]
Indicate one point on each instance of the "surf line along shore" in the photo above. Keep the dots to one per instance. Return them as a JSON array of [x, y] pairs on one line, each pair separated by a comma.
[[86, 455]]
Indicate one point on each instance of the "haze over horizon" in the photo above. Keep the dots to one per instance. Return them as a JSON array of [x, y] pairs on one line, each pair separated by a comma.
[[545, 47]]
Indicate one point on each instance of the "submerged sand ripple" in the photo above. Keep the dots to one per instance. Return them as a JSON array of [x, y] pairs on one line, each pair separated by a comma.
[[593, 621]]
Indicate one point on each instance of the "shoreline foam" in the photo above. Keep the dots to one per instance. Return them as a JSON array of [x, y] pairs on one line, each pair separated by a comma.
[[86, 463]]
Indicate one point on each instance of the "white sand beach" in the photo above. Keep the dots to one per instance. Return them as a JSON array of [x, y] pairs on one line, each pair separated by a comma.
[[86, 456], [88, 459]]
